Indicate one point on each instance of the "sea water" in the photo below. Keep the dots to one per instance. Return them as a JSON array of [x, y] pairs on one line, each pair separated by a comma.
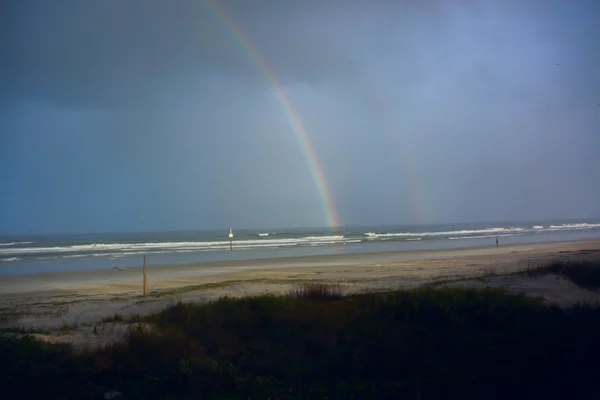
[[33, 254]]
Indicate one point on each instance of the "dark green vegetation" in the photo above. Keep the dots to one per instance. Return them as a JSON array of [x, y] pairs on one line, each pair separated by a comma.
[[114, 318], [585, 274], [420, 344], [317, 291]]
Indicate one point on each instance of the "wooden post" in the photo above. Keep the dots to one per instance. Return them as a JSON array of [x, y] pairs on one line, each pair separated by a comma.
[[145, 275]]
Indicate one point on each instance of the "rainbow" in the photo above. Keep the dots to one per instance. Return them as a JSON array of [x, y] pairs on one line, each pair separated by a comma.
[[298, 128]]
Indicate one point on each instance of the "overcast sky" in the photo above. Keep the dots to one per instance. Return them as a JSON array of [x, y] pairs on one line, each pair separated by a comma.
[[148, 115]]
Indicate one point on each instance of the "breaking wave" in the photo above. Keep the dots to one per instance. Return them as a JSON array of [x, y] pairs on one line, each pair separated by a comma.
[[373, 235], [104, 249], [10, 259], [15, 243], [478, 236], [574, 226], [126, 245]]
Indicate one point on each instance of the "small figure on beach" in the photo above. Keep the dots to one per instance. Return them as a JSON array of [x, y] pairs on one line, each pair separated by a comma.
[[497, 240]]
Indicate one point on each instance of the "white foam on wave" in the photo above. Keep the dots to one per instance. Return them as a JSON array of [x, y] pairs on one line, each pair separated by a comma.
[[478, 237], [574, 226], [133, 248], [10, 259], [374, 235], [221, 246], [321, 243], [265, 240], [335, 237]]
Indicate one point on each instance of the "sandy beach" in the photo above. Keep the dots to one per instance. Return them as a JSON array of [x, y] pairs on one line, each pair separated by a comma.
[[84, 299], [389, 269]]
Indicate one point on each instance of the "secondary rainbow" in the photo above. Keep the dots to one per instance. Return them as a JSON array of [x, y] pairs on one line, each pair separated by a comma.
[[411, 170], [296, 123]]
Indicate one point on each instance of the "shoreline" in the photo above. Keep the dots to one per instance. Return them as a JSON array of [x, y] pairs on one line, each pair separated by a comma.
[[102, 262], [170, 276]]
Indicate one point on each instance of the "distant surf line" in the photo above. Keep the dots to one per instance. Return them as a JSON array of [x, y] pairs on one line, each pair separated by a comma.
[[298, 128]]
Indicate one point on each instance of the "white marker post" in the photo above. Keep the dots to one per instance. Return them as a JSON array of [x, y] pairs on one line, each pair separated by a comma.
[[230, 241]]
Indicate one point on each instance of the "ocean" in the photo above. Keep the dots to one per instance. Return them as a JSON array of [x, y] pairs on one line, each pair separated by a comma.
[[33, 254]]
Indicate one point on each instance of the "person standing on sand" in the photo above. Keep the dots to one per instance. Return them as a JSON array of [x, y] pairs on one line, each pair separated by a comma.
[[497, 237]]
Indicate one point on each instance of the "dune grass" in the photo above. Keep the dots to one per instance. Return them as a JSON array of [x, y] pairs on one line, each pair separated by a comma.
[[585, 274], [420, 344], [317, 291], [113, 318]]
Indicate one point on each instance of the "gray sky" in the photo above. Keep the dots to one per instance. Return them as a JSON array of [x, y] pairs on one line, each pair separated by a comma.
[[124, 115]]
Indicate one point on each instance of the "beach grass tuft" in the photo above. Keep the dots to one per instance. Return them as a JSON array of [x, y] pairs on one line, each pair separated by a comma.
[[317, 291]]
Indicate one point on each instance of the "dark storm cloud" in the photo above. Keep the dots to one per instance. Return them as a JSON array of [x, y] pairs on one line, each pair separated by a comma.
[[448, 110], [101, 52]]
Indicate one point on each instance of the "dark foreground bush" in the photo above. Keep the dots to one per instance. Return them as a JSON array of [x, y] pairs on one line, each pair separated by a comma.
[[317, 291], [585, 274], [421, 344]]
